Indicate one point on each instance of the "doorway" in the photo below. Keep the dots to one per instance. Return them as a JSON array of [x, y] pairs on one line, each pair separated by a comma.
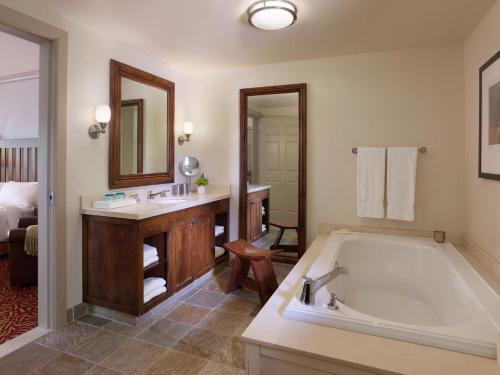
[[19, 192], [42, 160]]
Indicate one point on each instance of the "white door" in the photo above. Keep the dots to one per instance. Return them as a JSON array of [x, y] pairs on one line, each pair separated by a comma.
[[279, 165]]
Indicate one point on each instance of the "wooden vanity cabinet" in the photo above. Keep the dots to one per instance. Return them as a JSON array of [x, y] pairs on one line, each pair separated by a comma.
[[255, 202], [192, 250], [254, 218], [113, 272]]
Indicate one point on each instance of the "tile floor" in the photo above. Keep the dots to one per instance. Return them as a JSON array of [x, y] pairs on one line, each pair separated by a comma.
[[199, 334]]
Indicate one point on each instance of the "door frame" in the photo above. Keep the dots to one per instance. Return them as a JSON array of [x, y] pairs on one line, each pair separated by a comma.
[[301, 89], [52, 161]]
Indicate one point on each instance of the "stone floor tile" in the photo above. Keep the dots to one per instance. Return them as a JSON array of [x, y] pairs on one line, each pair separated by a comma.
[[97, 347], [247, 294], [200, 342], [222, 322], [66, 337], [206, 298], [65, 364], [99, 370], [94, 320], [177, 363], [244, 323], [231, 353], [237, 305], [214, 368], [164, 332], [133, 357], [26, 359], [188, 314], [216, 285], [123, 329]]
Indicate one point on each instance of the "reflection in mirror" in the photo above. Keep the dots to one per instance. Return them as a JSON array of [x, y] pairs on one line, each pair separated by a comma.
[[143, 150], [131, 136], [273, 170]]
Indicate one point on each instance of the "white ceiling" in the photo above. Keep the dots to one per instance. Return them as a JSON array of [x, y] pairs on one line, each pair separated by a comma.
[[17, 55], [194, 35]]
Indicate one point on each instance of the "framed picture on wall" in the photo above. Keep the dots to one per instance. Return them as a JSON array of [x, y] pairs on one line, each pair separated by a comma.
[[489, 119]]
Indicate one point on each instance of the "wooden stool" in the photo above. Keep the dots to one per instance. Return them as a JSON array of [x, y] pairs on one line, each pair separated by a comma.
[[246, 256]]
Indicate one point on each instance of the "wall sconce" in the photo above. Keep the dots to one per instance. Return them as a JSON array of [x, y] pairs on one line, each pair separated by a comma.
[[102, 117], [187, 129]]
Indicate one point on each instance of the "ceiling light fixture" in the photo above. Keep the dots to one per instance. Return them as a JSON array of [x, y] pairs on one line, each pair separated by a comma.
[[272, 14]]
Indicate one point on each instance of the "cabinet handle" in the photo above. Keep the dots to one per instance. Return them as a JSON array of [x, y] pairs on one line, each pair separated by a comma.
[[195, 221]]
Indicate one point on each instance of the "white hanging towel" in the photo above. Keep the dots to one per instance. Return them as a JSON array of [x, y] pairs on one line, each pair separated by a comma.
[[401, 179], [371, 182]]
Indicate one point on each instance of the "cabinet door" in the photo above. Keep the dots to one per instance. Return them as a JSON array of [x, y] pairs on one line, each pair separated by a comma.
[[254, 218], [180, 264], [202, 256]]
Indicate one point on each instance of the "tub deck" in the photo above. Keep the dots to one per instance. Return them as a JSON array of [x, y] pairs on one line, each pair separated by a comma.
[[272, 337]]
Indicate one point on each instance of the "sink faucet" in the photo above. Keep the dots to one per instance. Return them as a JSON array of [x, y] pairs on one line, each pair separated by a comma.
[[311, 287], [162, 194]]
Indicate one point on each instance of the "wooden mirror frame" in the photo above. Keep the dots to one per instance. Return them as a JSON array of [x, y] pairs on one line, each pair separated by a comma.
[[301, 89], [117, 180]]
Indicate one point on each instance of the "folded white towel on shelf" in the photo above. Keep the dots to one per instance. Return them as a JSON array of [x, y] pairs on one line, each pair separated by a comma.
[[401, 180], [371, 181], [150, 261], [152, 283], [219, 229], [264, 228], [154, 293], [150, 251], [263, 211], [219, 251]]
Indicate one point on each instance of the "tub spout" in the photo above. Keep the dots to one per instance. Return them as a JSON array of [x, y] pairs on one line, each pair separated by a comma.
[[311, 287]]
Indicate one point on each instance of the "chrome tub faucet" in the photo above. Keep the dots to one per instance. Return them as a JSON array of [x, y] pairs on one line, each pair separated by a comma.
[[311, 287]]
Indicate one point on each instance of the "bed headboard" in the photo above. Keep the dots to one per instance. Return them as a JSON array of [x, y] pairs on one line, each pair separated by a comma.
[[18, 160]]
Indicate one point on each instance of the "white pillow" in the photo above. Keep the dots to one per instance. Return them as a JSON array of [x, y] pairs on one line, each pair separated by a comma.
[[22, 194]]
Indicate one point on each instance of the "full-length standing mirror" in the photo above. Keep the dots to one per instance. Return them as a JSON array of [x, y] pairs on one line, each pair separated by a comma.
[[273, 169], [141, 129]]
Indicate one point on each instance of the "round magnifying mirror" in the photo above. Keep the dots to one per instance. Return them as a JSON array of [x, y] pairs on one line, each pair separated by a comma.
[[189, 166]]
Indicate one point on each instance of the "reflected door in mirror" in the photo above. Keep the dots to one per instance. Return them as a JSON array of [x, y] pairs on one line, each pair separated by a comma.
[[131, 136], [273, 163], [154, 133]]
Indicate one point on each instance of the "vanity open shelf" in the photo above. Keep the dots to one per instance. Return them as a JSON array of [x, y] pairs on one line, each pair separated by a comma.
[[113, 249], [222, 219]]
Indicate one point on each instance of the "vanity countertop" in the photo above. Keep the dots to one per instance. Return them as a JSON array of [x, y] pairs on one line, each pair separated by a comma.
[[146, 209], [254, 188]]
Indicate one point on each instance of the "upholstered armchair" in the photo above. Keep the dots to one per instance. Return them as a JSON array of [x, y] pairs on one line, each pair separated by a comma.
[[23, 267]]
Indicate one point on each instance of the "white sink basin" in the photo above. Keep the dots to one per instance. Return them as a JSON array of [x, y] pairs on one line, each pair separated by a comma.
[[168, 200]]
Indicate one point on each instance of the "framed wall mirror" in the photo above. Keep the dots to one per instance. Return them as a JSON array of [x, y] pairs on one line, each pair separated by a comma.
[[273, 124], [141, 139]]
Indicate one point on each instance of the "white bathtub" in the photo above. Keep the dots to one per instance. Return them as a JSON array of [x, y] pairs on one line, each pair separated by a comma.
[[409, 289]]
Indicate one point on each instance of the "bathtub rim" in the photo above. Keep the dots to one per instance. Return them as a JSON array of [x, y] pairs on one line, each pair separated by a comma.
[[484, 297]]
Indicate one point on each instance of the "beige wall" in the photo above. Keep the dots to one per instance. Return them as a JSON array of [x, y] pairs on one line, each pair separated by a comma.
[[482, 223], [395, 98]]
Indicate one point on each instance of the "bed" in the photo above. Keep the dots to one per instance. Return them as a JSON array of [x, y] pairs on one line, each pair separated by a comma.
[[18, 184]]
